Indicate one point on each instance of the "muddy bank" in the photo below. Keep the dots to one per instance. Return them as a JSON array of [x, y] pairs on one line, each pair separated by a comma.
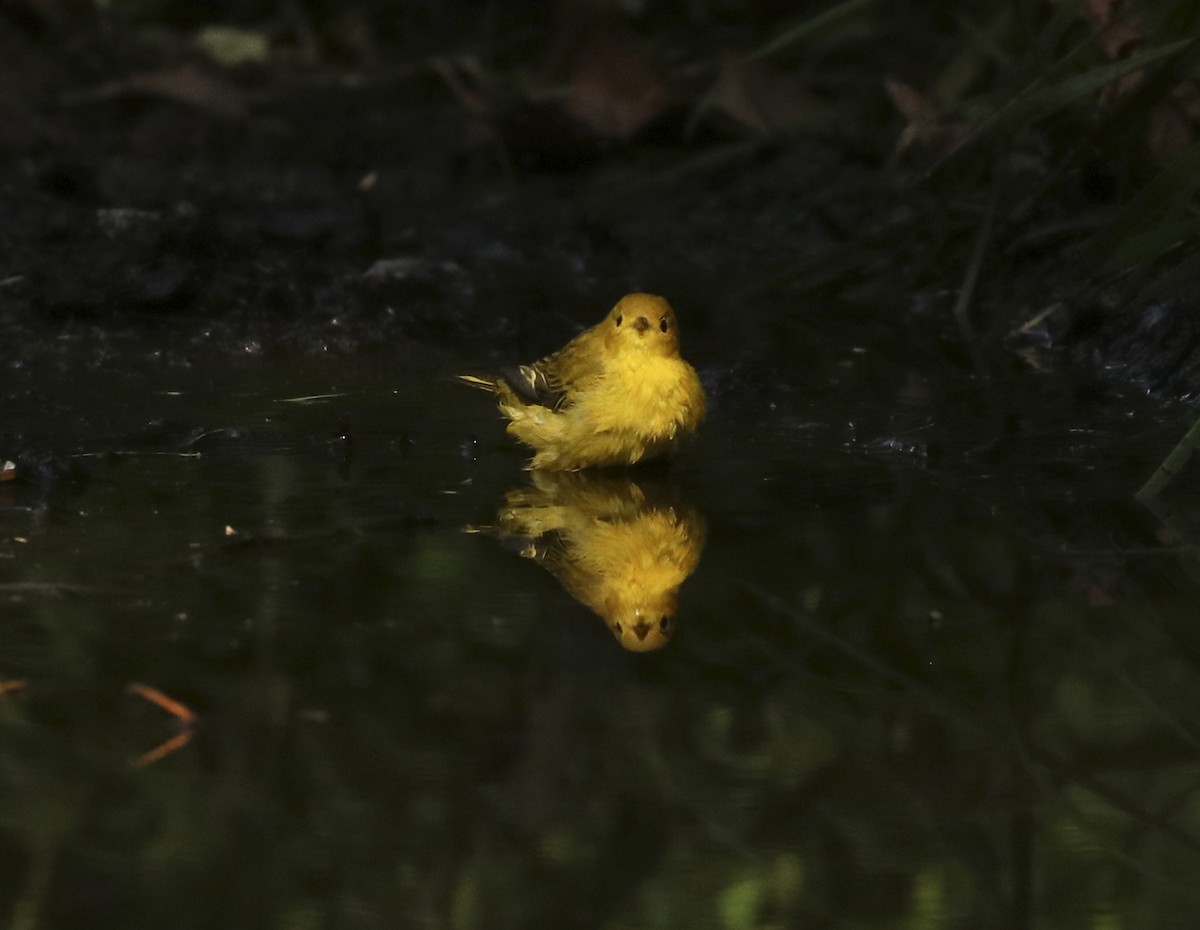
[[154, 203]]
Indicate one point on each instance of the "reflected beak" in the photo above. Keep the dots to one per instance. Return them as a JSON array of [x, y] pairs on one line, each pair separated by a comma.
[[642, 628], [641, 324]]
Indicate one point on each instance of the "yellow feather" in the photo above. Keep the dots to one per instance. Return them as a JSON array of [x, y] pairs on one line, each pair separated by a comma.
[[616, 394], [486, 384], [622, 548]]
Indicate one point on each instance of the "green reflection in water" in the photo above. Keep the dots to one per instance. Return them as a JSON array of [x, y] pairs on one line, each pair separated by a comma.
[[958, 696]]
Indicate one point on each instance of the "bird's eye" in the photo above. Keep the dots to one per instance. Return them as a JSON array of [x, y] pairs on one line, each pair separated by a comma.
[[665, 623], [662, 324], [619, 319]]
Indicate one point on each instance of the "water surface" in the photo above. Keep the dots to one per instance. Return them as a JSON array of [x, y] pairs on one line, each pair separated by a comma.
[[936, 666]]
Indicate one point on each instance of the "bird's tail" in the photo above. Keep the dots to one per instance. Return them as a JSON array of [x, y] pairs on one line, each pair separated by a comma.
[[491, 385]]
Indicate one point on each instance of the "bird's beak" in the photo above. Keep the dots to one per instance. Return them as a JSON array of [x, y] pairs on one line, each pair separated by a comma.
[[642, 628], [641, 324]]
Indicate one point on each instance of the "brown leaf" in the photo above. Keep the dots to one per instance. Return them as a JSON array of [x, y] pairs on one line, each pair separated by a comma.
[[1117, 33], [926, 127], [480, 128], [188, 84], [1114, 25], [759, 97], [1172, 123], [1119, 38], [913, 105], [1099, 13], [1122, 87], [614, 84], [1168, 133], [1186, 97]]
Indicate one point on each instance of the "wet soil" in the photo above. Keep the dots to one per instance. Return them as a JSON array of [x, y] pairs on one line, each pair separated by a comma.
[[333, 208]]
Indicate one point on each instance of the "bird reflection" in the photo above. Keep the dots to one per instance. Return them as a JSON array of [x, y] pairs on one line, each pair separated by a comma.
[[620, 546]]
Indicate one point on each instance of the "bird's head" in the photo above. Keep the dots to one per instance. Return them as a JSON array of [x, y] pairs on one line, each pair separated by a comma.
[[643, 323], [644, 634]]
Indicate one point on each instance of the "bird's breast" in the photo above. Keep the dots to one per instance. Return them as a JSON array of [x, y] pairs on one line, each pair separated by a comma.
[[649, 396]]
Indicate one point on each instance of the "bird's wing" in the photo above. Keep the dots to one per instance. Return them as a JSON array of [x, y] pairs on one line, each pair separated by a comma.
[[552, 381], [533, 384], [559, 376]]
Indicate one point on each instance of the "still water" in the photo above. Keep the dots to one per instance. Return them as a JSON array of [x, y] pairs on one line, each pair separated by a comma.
[[926, 662]]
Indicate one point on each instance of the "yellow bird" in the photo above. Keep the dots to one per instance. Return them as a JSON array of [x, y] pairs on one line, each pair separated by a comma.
[[623, 548], [617, 394]]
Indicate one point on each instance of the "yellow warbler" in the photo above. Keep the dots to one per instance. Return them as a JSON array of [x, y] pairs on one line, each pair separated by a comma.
[[623, 548], [616, 394]]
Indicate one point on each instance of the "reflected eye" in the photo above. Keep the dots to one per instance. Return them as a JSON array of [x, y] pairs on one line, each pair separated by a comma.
[[665, 623], [662, 324], [619, 319]]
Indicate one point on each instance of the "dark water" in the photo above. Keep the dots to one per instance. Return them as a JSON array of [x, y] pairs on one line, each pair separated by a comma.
[[936, 667]]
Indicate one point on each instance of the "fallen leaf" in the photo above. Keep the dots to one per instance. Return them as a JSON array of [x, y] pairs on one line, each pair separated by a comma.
[[601, 82], [1100, 12], [1119, 39], [178, 741], [1186, 97], [1113, 24], [614, 84], [1172, 123], [468, 97], [185, 720], [176, 709], [760, 98], [188, 84], [481, 120], [925, 126], [913, 105], [8, 471]]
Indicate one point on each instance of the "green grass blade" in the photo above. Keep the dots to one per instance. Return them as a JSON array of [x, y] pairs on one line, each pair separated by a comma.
[[802, 31], [1171, 466], [1041, 98], [1153, 240], [1169, 191]]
